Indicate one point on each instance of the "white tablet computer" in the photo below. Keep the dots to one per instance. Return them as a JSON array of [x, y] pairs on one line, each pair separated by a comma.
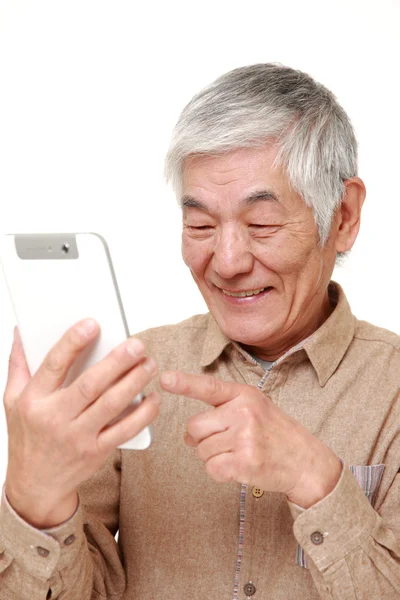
[[55, 280]]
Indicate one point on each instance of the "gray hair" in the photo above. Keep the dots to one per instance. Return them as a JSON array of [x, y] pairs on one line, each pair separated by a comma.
[[270, 102]]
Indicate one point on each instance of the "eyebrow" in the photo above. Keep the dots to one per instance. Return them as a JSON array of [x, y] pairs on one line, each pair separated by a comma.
[[267, 195]]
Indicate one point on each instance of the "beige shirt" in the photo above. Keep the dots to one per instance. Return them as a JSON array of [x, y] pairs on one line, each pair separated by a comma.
[[184, 536]]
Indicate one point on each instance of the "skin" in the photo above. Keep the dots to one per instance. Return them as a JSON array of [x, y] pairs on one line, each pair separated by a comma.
[[245, 228], [58, 437]]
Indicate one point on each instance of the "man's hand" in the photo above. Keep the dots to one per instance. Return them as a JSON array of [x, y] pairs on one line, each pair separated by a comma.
[[247, 438], [57, 437]]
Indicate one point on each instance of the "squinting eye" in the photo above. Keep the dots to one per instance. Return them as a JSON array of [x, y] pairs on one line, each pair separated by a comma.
[[199, 227]]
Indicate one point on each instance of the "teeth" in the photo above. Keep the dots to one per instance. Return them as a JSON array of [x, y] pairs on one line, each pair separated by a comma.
[[243, 294]]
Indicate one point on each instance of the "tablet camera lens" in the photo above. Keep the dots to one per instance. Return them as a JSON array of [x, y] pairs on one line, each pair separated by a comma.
[[65, 248]]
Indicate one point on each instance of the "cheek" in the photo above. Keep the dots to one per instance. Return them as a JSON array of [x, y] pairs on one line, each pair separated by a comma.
[[195, 254], [289, 255]]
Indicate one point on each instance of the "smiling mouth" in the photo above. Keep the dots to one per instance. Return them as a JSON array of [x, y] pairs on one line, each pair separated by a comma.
[[246, 293]]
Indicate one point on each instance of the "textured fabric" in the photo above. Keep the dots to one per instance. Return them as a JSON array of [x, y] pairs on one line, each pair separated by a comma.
[[368, 478], [182, 535]]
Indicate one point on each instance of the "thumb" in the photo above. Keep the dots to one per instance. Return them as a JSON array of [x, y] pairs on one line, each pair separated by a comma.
[[18, 370]]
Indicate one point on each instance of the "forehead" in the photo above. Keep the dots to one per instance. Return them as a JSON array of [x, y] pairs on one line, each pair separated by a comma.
[[233, 176]]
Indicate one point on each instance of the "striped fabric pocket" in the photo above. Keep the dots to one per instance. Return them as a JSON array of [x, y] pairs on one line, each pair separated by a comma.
[[368, 478]]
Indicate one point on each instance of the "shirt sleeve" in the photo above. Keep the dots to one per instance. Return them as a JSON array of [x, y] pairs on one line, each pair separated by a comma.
[[354, 551], [77, 559]]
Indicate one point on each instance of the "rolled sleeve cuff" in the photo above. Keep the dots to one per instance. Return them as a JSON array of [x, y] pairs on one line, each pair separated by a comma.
[[337, 524], [40, 552]]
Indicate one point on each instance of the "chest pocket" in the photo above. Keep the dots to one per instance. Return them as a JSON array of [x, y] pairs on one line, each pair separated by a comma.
[[368, 478]]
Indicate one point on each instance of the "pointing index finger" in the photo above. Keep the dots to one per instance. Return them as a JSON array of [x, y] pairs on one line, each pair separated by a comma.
[[210, 390]]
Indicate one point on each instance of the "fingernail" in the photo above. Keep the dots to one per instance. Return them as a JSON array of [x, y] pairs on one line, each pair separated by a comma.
[[15, 333], [88, 326], [134, 347], [168, 379], [150, 365]]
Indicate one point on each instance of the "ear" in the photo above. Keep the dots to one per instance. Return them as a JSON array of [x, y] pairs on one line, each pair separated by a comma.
[[349, 213]]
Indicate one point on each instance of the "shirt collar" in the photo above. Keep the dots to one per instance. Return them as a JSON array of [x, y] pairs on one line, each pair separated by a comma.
[[325, 348], [215, 343]]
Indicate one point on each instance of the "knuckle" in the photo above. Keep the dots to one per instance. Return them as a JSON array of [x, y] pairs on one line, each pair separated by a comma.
[[142, 374], [51, 422], [191, 425], [54, 363], [30, 411], [201, 452], [244, 436], [116, 356], [102, 447], [247, 415], [86, 387], [111, 405], [182, 384], [152, 406], [137, 381], [132, 348], [212, 385], [155, 411]]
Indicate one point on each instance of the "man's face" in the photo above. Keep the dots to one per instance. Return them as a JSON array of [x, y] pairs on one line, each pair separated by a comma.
[[251, 244]]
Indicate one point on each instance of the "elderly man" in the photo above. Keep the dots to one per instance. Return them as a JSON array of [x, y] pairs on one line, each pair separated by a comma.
[[288, 400]]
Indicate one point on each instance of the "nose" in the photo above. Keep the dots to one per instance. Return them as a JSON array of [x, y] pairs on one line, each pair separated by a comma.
[[232, 255]]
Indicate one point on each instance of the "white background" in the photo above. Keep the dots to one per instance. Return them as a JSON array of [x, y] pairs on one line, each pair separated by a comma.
[[90, 91]]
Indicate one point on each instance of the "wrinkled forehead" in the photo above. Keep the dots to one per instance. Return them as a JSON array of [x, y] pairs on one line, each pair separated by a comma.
[[239, 177]]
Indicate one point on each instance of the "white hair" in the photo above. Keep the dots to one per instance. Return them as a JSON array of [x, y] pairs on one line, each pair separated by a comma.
[[270, 102]]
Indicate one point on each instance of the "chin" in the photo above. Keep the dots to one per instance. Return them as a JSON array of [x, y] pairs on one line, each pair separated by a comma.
[[250, 336]]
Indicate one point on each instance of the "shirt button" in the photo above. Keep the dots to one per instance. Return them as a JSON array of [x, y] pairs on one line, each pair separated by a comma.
[[317, 538], [257, 492], [249, 589], [70, 540], [42, 551]]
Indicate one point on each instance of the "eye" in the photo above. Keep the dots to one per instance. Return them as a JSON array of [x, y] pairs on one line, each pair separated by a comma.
[[263, 229], [199, 231]]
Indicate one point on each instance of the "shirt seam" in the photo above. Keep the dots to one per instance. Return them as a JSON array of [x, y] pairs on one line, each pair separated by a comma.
[[350, 577], [379, 341]]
